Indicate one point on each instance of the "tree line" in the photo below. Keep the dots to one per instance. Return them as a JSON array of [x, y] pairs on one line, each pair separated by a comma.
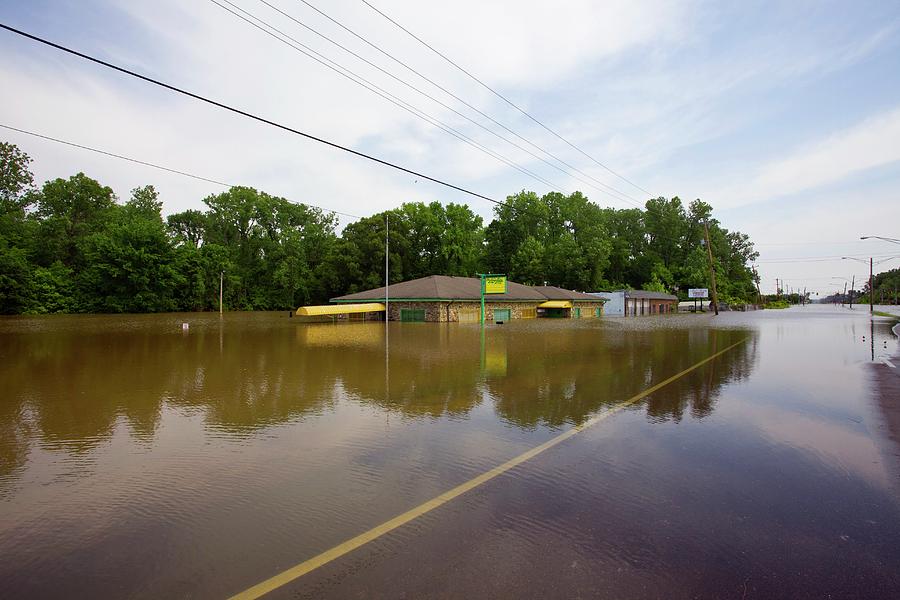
[[70, 245]]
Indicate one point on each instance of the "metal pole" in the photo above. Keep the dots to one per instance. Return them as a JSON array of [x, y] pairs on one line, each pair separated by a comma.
[[712, 269], [387, 282], [871, 289], [221, 284], [759, 299], [482, 298]]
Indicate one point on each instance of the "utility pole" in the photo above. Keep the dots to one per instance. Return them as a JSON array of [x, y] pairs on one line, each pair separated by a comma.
[[871, 289], [387, 306], [852, 285], [712, 269], [759, 298]]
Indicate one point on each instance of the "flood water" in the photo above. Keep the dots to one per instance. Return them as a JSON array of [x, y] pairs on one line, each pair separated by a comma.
[[142, 460]]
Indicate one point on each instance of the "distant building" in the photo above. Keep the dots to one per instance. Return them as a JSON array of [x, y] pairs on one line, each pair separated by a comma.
[[634, 303], [442, 298]]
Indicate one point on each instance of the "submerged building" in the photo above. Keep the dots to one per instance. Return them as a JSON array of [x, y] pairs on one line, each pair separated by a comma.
[[633, 303], [443, 298]]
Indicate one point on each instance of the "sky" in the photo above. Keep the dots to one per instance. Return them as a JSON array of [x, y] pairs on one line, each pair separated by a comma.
[[784, 116]]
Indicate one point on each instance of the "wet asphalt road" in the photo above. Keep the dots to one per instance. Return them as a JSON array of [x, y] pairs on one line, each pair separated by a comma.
[[142, 462]]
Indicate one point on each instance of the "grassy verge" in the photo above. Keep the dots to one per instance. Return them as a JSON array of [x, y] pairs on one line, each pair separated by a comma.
[[778, 304], [884, 314]]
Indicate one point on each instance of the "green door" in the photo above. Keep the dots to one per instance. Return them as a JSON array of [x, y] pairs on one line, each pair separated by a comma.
[[577, 313], [501, 314], [412, 315], [598, 312]]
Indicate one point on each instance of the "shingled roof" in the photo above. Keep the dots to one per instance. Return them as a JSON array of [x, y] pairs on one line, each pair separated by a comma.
[[551, 292], [444, 287]]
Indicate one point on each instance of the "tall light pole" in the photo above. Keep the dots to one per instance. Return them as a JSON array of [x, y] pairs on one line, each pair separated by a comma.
[[878, 237], [871, 287], [387, 278], [871, 281], [844, 296]]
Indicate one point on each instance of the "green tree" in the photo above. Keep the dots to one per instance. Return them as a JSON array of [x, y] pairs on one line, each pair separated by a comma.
[[70, 210], [16, 232], [130, 264]]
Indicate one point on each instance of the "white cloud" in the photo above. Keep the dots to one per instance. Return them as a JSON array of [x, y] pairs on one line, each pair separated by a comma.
[[871, 143]]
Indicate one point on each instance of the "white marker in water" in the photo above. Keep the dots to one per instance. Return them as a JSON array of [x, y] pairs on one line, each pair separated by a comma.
[[184, 326]]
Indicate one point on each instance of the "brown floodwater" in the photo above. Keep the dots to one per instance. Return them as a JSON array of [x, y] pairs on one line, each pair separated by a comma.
[[139, 459]]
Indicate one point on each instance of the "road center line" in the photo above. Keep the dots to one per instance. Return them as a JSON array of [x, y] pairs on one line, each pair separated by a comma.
[[352, 544]]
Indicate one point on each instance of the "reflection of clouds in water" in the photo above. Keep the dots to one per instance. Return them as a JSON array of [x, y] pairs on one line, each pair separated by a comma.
[[846, 447]]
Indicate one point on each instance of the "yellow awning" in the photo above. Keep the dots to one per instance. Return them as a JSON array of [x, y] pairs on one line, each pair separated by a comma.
[[339, 309], [556, 304]]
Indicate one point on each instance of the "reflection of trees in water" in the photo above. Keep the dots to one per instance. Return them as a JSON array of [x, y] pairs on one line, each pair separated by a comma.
[[69, 390], [699, 392], [587, 369]]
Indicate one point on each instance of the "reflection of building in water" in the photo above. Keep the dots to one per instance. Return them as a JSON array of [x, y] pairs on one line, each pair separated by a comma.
[[441, 298], [64, 392]]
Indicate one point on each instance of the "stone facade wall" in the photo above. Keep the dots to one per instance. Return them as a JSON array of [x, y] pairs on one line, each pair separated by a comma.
[[444, 311], [587, 308], [515, 309], [434, 311]]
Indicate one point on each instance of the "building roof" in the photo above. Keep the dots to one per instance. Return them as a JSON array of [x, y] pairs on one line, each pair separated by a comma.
[[649, 295], [551, 292], [444, 287]]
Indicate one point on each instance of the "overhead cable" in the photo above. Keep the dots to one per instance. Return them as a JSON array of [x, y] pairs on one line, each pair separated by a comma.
[[155, 166], [248, 115], [505, 99], [359, 80], [603, 187]]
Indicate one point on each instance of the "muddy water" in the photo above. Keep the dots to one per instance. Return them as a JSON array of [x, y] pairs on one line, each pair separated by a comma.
[[140, 459]]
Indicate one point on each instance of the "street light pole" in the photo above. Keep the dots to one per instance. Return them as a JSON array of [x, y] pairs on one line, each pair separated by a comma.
[[878, 237], [387, 271], [871, 289]]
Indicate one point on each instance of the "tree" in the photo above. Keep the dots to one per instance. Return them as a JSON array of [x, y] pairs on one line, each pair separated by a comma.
[[16, 195], [70, 210], [130, 264]]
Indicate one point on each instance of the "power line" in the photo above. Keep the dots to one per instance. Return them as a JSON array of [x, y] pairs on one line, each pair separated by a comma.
[[436, 100], [155, 166], [247, 114], [819, 258], [505, 99], [604, 187], [359, 80]]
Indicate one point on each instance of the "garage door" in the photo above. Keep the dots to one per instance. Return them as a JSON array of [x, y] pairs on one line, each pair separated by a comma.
[[501, 314], [413, 315]]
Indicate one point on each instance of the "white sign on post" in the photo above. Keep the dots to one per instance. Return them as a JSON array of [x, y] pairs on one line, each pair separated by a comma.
[[698, 293]]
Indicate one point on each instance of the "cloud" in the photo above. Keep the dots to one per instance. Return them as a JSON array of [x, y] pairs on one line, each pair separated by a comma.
[[871, 143]]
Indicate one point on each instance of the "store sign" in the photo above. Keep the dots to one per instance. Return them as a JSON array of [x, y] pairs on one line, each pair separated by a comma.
[[495, 284], [698, 293]]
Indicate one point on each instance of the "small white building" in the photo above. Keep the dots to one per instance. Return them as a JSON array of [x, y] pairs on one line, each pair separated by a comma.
[[615, 302], [635, 303]]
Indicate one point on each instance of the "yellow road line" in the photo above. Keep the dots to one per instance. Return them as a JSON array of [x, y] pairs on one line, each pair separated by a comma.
[[352, 544]]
